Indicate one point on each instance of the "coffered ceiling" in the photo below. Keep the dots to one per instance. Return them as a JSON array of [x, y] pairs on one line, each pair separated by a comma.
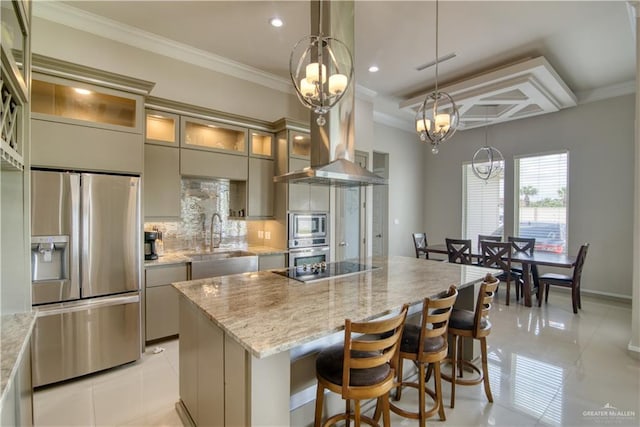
[[588, 47]]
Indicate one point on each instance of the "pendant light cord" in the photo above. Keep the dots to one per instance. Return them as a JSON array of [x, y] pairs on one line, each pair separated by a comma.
[[436, 91]]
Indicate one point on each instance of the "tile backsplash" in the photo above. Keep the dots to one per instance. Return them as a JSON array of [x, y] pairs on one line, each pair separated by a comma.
[[200, 199]]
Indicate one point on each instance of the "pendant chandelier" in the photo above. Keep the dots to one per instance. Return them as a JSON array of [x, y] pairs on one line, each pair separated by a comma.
[[437, 118], [321, 69], [487, 162]]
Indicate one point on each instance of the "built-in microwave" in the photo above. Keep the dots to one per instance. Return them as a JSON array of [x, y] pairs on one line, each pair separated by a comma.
[[308, 229]]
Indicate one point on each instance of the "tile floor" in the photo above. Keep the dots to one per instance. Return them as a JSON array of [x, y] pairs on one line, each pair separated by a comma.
[[548, 367]]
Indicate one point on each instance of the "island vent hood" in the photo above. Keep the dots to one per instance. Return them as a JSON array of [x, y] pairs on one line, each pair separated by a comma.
[[332, 145]]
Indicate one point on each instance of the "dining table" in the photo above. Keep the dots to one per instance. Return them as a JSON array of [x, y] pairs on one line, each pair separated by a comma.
[[539, 258]]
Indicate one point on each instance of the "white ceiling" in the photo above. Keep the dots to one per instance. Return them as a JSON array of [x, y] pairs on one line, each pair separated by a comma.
[[590, 44]]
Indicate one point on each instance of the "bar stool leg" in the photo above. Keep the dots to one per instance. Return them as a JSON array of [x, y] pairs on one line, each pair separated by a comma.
[[438, 380], [485, 369], [347, 410], [421, 393], [399, 388], [386, 417], [319, 403], [454, 367], [356, 415]]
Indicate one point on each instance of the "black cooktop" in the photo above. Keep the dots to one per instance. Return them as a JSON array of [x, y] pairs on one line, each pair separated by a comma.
[[313, 272]]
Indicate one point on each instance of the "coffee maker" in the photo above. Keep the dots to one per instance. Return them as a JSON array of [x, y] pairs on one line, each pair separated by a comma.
[[150, 252]]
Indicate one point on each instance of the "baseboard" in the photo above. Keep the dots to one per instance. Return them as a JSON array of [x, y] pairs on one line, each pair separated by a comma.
[[634, 351], [599, 294]]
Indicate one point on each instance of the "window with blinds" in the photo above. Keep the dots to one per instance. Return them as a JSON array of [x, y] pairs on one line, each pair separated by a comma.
[[541, 200], [482, 205]]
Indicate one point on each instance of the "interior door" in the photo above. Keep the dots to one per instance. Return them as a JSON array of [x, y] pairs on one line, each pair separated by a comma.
[[380, 214], [350, 219]]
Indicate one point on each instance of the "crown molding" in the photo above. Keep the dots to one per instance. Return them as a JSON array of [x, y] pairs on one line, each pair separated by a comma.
[[393, 121], [107, 28], [612, 91]]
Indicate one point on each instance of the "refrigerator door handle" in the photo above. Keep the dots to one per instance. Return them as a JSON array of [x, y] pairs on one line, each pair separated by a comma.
[[85, 305], [74, 183]]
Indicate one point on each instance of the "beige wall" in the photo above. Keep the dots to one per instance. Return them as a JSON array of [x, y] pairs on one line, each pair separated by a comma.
[[175, 80], [406, 185], [600, 139]]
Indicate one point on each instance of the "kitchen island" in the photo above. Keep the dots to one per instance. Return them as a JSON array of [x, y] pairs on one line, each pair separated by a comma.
[[248, 341]]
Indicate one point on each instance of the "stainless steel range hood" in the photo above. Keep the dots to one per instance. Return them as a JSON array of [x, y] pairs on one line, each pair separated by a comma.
[[332, 145]]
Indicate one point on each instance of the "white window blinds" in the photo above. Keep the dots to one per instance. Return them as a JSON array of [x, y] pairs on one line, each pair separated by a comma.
[[482, 205], [541, 202]]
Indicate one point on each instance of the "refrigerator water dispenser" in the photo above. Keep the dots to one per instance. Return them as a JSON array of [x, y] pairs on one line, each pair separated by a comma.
[[49, 258]]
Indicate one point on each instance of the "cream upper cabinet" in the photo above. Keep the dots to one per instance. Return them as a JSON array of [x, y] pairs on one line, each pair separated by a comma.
[[260, 192], [161, 128], [209, 135], [161, 178], [261, 144], [78, 125]]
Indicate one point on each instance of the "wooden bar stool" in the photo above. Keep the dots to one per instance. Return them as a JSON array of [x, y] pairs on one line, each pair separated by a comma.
[[465, 323], [363, 368], [426, 344]]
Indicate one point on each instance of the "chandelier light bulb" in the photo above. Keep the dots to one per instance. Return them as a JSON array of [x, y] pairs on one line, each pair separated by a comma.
[[313, 73], [337, 84], [307, 89]]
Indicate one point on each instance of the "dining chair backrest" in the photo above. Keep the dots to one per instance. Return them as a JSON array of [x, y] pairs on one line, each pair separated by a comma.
[[371, 353], [459, 250], [488, 238], [497, 255], [577, 270], [420, 242], [523, 245], [483, 305]]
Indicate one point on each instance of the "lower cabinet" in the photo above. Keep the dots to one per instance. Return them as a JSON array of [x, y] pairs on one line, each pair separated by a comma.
[[270, 261], [161, 300], [16, 409]]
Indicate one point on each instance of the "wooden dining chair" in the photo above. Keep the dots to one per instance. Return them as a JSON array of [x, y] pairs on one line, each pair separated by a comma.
[[573, 281], [498, 255], [426, 345], [475, 325], [527, 246], [488, 238], [420, 244], [459, 251], [364, 367]]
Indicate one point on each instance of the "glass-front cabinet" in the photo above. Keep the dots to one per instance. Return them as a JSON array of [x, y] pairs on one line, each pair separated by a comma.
[[209, 135], [299, 144], [80, 103], [261, 144], [161, 128]]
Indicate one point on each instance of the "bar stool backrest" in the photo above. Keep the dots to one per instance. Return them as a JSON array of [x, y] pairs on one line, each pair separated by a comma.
[[483, 306], [377, 351], [435, 317]]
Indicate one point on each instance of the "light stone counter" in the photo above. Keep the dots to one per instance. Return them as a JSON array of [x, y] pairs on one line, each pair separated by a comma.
[[267, 313], [15, 330], [181, 257]]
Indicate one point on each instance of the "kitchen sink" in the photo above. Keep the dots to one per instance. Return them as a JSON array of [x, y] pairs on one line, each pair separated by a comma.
[[214, 256], [204, 265]]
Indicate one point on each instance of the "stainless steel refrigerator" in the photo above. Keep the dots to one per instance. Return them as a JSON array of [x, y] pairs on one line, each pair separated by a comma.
[[86, 273]]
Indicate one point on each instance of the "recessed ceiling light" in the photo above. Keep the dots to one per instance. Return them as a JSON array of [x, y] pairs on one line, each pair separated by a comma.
[[374, 69], [276, 22]]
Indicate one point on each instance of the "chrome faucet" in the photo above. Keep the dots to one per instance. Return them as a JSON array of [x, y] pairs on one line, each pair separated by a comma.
[[213, 241]]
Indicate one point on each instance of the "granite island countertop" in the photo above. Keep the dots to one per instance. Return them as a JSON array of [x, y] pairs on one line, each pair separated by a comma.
[[267, 313], [15, 332]]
